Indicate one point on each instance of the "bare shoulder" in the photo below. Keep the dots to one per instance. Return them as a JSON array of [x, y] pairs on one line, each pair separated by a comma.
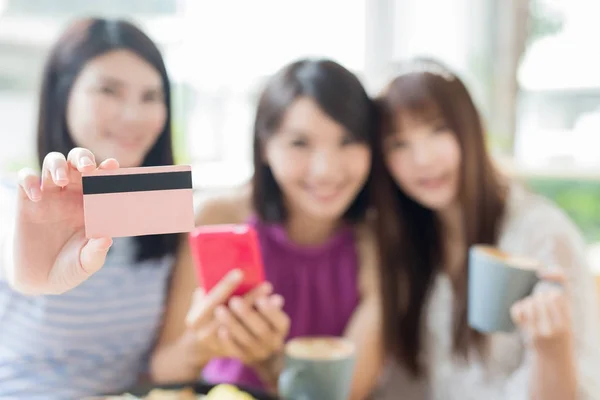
[[231, 206]]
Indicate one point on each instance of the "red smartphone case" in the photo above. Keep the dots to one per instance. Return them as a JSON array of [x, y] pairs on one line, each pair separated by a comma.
[[219, 249]]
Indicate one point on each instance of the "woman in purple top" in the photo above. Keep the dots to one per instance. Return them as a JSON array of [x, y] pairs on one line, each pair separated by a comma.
[[312, 154]]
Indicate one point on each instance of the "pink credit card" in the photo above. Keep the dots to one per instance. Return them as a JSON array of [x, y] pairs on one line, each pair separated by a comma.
[[138, 201]]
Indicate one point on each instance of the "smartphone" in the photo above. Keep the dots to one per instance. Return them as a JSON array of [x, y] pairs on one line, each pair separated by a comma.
[[219, 249]]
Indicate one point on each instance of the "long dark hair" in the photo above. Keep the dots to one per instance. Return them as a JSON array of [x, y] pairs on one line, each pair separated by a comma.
[[339, 94], [410, 243], [83, 41]]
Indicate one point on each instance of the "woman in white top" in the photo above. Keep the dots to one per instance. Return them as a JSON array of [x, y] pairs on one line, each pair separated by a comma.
[[438, 194]]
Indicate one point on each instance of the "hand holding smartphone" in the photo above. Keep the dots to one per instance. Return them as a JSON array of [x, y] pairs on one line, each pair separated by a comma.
[[219, 249]]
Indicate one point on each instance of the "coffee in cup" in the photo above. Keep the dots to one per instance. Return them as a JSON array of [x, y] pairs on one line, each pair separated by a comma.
[[319, 348], [318, 367], [497, 280]]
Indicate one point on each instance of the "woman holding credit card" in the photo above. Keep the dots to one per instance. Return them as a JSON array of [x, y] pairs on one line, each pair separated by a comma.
[[105, 96], [307, 202], [439, 198]]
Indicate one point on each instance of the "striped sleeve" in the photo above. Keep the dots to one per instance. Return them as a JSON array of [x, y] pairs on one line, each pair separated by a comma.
[[7, 218]]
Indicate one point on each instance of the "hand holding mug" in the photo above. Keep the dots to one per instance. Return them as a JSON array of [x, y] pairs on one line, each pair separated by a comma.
[[545, 315], [497, 280]]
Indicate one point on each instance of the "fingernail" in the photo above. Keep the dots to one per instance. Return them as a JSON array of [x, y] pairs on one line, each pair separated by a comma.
[[277, 301], [61, 174], [235, 303], [236, 274], [261, 303], [85, 162], [220, 312], [101, 244], [35, 193], [267, 287]]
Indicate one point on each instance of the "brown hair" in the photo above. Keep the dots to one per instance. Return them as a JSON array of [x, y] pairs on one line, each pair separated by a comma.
[[339, 94], [410, 243]]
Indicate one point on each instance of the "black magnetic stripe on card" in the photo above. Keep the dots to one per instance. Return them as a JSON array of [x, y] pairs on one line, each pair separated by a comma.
[[102, 184]]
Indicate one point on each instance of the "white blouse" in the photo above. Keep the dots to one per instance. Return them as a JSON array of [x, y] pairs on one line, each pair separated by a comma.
[[533, 227]]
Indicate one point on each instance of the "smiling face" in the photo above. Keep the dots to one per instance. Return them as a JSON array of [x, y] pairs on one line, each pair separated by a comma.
[[318, 165], [424, 158], [117, 107]]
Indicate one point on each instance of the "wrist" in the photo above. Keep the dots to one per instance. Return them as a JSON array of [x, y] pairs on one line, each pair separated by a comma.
[[268, 370], [170, 364], [559, 358], [555, 372], [560, 349], [193, 356]]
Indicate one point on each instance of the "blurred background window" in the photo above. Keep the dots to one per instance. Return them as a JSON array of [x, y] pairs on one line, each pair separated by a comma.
[[527, 62]]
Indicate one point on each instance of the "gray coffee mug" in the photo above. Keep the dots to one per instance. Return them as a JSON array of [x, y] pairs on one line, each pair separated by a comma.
[[496, 282], [317, 377]]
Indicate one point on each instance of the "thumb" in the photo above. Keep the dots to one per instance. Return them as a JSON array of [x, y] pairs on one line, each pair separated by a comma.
[[93, 254], [77, 264], [197, 311], [553, 277], [553, 274]]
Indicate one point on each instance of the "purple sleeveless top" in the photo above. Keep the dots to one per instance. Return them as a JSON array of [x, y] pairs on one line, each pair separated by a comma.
[[319, 285]]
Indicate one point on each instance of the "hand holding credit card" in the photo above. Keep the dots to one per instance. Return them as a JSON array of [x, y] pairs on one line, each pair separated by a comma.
[[138, 201], [51, 204]]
